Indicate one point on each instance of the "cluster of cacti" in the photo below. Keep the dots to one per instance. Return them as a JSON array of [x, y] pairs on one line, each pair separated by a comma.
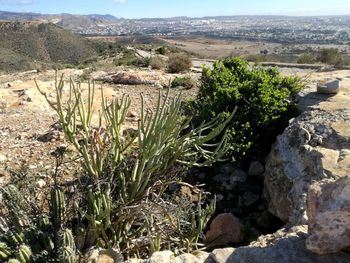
[[41, 238], [124, 171], [13, 248]]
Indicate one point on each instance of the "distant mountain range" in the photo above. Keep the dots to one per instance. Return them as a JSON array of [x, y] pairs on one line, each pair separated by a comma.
[[67, 21]]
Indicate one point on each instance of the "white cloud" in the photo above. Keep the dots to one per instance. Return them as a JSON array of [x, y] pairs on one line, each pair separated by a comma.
[[119, 1]]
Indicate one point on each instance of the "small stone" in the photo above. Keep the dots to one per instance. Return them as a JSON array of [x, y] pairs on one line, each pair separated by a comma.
[[248, 199], [219, 197], [162, 257], [221, 255], [238, 175], [41, 183], [98, 255], [226, 169], [2, 158], [202, 176], [224, 229], [221, 178], [256, 168], [131, 114]]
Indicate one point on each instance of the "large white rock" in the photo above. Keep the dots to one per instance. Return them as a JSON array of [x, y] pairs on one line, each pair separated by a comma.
[[314, 147], [329, 216]]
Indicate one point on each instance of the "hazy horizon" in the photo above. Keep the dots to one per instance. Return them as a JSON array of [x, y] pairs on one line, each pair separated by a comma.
[[196, 8]]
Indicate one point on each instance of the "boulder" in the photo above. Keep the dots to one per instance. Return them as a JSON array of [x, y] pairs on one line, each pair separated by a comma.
[[328, 87], [286, 245], [314, 147], [224, 229], [329, 216]]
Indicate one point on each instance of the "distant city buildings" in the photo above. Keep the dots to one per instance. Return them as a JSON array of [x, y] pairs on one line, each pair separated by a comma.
[[320, 30]]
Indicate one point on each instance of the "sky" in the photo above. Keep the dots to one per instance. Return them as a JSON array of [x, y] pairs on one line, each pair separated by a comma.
[[171, 8]]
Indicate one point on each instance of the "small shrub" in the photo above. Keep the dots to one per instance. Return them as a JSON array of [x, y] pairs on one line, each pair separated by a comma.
[[156, 62], [179, 62], [331, 56], [306, 58], [264, 99], [186, 82], [129, 58], [161, 50]]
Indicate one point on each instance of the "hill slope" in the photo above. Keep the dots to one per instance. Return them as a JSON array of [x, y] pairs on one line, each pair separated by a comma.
[[24, 44]]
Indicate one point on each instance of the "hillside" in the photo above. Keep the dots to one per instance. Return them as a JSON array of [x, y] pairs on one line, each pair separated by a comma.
[[24, 45]]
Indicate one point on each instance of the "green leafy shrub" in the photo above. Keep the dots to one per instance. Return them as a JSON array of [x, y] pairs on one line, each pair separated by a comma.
[[179, 62], [186, 82], [264, 99]]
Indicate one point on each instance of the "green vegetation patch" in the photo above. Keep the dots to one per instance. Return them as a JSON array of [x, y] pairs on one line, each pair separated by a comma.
[[264, 99]]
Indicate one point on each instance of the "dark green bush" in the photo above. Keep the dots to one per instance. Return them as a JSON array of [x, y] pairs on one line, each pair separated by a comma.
[[179, 62], [186, 82], [264, 99]]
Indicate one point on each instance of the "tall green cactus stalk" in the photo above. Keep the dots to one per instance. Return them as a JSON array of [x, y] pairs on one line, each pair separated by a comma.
[[57, 210]]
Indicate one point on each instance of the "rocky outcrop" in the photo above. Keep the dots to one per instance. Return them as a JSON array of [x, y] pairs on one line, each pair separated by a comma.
[[132, 78], [329, 216], [314, 147], [286, 245]]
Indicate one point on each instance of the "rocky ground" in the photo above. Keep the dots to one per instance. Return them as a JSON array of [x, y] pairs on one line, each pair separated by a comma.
[[314, 148], [27, 131]]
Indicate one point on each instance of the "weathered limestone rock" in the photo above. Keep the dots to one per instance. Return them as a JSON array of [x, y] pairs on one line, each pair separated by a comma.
[[286, 245], [188, 258], [329, 216], [162, 257], [314, 147], [99, 255], [224, 229]]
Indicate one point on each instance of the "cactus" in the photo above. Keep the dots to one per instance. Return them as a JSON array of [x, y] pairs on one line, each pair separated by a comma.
[[57, 206], [5, 252], [123, 171], [68, 247], [24, 254]]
